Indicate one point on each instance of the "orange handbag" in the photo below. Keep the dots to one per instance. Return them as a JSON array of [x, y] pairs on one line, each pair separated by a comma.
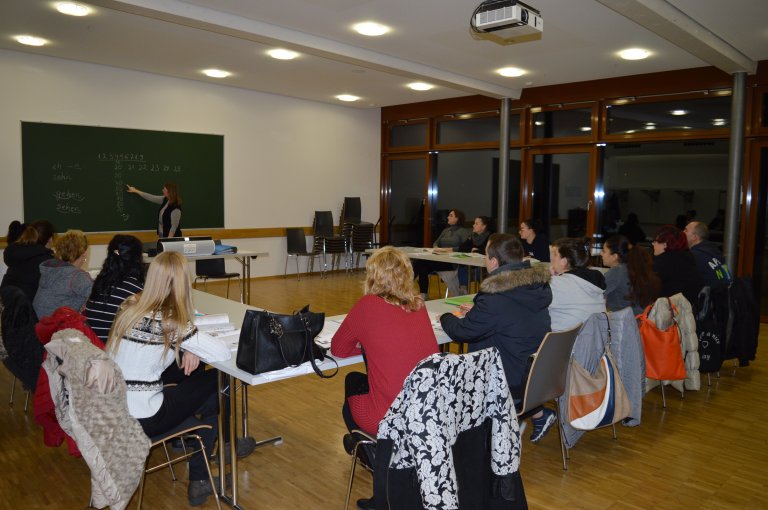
[[663, 356]]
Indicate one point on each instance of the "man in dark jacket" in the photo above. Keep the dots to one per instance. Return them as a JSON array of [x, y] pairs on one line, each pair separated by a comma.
[[510, 313], [710, 262]]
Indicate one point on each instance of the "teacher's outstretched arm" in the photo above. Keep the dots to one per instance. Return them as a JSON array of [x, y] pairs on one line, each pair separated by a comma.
[[169, 215], [155, 199]]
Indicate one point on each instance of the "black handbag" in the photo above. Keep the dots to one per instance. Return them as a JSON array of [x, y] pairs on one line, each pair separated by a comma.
[[270, 341]]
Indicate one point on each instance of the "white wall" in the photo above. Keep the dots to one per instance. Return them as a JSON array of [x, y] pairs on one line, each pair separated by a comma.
[[283, 157]]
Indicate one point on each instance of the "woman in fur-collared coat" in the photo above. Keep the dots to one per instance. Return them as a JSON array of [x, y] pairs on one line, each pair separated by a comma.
[[510, 312]]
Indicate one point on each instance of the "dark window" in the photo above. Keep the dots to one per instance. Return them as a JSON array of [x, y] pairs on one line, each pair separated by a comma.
[[689, 114]]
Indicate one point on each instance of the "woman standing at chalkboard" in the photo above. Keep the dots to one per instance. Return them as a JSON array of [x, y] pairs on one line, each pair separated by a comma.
[[169, 216]]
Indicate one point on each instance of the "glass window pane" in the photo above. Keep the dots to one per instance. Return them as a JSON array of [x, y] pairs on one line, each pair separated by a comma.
[[760, 270], [406, 202], [706, 113], [469, 180], [408, 135], [481, 129], [562, 123], [514, 126], [664, 183], [561, 193], [765, 110]]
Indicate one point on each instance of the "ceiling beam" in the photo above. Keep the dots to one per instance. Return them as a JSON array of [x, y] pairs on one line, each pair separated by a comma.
[[203, 18], [669, 22]]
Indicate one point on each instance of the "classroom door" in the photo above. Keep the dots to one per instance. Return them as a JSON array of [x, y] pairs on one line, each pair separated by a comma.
[[559, 190], [405, 199]]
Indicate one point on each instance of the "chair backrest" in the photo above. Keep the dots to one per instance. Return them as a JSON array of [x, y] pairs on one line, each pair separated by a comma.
[[296, 240], [352, 209], [323, 225], [546, 379], [210, 267]]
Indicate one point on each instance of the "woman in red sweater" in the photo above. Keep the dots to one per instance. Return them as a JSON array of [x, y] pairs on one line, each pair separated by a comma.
[[392, 329]]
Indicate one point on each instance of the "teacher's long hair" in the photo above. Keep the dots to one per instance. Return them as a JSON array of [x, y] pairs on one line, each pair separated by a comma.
[[174, 197], [166, 297], [389, 275]]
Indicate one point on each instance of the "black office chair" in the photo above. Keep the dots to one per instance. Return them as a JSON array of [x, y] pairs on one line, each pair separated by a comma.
[[214, 269], [325, 240], [361, 239], [297, 247], [351, 210]]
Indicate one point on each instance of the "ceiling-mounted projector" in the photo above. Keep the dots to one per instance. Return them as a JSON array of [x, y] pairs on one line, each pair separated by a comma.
[[507, 19]]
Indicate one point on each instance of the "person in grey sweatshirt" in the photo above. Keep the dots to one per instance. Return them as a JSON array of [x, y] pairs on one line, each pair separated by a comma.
[[62, 281], [449, 240], [577, 291]]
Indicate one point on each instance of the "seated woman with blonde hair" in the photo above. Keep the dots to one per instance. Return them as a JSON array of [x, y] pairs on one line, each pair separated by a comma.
[[153, 330], [392, 329], [63, 282]]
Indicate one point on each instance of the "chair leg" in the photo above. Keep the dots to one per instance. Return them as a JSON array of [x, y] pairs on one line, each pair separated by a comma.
[[298, 275], [26, 402], [563, 448], [13, 389], [351, 478], [229, 280], [663, 397], [168, 458], [141, 484], [210, 475], [614, 431]]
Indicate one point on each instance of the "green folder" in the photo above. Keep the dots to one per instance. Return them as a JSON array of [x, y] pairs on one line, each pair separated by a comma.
[[460, 300]]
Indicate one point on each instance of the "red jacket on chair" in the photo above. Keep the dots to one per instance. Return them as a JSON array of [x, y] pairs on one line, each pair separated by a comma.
[[44, 409]]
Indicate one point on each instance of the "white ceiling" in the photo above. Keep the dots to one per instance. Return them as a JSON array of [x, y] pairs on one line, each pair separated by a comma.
[[431, 41]]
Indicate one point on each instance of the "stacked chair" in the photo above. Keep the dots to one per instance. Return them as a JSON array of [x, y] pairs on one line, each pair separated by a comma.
[[326, 243], [358, 233]]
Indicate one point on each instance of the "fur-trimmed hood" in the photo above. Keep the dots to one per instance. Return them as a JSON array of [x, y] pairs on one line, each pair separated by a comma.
[[512, 276]]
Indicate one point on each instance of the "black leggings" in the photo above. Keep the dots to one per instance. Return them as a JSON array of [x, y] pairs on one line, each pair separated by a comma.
[[193, 395], [356, 383]]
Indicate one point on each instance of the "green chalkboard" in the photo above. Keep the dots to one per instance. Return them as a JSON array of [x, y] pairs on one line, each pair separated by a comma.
[[76, 176]]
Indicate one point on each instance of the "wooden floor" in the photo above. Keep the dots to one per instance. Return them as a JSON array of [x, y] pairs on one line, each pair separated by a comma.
[[706, 451]]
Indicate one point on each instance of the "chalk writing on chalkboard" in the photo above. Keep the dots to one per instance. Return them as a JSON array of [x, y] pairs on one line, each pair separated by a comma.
[[130, 162], [76, 176]]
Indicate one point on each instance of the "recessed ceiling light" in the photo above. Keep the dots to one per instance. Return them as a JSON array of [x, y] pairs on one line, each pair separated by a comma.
[[650, 123], [370, 28], [630, 131], [216, 73], [347, 97], [539, 123], [281, 54], [420, 85], [678, 112], [73, 9], [650, 127], [634, 54], [30, 40], [585, 128], [511, 72]]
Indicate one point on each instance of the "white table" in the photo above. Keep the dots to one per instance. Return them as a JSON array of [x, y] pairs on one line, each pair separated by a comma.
[[229, 373], [242, 256]]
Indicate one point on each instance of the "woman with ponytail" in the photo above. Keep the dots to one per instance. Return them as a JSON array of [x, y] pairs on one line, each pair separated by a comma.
[[630, 280], [577, 291], [121, 276]]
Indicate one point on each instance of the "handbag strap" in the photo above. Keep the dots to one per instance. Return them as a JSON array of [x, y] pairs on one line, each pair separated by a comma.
[[308, 345]]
